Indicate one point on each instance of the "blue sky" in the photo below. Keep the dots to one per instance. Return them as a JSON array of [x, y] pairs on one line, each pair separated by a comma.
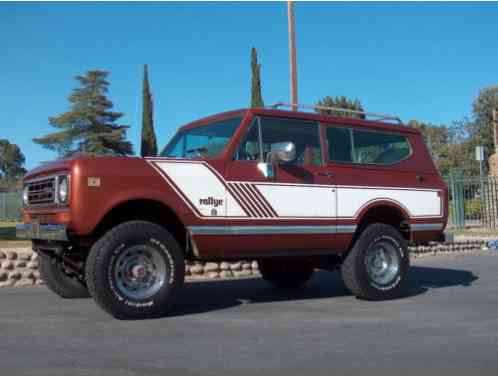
[[416, 60]]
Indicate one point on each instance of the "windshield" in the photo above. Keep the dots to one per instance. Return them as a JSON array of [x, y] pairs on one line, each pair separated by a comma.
[[203, 141]]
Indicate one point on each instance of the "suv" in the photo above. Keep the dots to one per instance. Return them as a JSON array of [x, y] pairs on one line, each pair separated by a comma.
[[294, 190]]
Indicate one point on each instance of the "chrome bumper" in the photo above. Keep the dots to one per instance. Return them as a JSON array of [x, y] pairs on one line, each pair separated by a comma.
[[49, 232]]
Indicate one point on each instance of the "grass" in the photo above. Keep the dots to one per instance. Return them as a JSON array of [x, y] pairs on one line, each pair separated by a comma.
[[8, 235]]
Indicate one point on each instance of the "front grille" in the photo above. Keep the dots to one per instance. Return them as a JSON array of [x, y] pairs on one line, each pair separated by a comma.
[[41, 192]]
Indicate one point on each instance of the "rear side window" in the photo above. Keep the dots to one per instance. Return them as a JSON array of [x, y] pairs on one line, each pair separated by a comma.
[[366, 147]]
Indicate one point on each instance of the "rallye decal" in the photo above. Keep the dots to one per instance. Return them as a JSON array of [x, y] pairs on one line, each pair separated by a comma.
[[201, 188]]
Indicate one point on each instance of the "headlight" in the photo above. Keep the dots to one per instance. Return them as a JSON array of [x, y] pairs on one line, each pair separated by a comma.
[[63, 189], [25, 196]]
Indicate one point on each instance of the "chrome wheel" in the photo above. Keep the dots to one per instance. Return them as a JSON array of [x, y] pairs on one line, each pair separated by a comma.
[[382, 262], [140, 272]]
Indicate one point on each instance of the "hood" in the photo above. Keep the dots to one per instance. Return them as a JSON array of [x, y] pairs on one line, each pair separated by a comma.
[[48, 168]]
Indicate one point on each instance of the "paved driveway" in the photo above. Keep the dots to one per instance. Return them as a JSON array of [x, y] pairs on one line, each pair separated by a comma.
[[448, 324]]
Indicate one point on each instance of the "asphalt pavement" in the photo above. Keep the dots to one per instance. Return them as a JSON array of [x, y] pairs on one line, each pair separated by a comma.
[[446, 324]]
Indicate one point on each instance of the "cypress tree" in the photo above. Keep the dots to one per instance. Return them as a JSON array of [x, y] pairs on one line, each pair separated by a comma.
[[256, 98], [89, 126], [149, 144]]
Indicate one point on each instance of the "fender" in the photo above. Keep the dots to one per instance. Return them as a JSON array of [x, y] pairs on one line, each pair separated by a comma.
[[127, 196], [119, 183]]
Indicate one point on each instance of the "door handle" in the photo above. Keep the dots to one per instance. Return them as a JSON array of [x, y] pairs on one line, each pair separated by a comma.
[[325, 174]]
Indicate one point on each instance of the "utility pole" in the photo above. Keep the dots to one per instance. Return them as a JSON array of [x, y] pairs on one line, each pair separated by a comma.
[[495, 126], [292, 54]]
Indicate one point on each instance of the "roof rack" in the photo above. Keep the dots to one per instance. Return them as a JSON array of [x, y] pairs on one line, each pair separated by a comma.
[[374, 116]]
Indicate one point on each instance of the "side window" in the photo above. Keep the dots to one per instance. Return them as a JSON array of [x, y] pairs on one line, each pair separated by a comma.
[[304, 135], [339, 144], [379, 147], [366, 147]]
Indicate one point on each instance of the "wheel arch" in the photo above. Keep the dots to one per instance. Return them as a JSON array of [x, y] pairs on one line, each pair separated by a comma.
[[386, 212], [146, 209]]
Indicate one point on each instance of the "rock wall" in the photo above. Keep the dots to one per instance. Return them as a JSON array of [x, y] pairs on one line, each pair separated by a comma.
[[19, 267]]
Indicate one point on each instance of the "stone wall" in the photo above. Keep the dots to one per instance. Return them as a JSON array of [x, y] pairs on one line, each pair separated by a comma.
[[19, 267]]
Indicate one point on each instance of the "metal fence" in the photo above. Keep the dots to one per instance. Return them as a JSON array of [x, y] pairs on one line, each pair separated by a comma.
[[473, 202], [10, 206]]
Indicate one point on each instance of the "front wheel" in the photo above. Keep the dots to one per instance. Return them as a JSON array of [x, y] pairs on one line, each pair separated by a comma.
[[377, 266], [135, 270], [286, 273]]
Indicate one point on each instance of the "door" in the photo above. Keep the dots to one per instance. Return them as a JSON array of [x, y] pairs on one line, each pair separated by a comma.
[[298, 199]]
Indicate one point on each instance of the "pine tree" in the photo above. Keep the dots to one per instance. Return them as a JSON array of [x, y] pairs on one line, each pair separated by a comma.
[[343, 103], [256, 98], [149, 144], [89, 126]]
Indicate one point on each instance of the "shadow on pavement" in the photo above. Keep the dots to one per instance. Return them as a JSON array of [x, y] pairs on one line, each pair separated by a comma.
[[205, 296], [422, 279]]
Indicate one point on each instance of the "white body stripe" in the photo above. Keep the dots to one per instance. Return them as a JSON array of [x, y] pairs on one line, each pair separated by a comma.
[[300, 201], [350, 201], [196, 183]]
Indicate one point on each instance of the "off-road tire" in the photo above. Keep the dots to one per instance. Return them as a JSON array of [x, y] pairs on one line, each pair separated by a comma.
[[106, 250], [59, 282], [354, 268], [285, 273]]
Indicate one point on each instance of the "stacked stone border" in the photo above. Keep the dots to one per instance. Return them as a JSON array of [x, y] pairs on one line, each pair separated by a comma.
[[19, 267]]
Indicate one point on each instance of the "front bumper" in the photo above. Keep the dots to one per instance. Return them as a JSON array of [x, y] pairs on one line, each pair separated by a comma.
[[49, 232]]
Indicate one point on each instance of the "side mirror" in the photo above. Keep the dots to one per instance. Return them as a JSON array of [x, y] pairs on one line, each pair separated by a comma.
[[282, 152], [268, 170], [279, 152]]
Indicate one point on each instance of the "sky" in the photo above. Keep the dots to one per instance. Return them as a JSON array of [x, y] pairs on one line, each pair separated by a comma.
[[424, 61]]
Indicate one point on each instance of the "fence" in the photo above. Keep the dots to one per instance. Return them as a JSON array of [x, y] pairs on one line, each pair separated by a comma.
[[10, 205], [473, 202]]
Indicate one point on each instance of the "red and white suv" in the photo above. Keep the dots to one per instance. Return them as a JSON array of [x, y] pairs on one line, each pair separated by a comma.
[[294, 190]]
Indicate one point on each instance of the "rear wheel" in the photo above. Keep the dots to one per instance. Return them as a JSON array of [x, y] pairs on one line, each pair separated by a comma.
[[377, 266], [60, 281], [135, 270], [286, 273]]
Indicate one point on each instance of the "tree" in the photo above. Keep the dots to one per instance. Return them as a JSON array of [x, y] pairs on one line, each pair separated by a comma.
[[438, 140], [89, 126], [481, 129], [11, 163], [450, 146], [343, 103], [149, 144], [256, 98]]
